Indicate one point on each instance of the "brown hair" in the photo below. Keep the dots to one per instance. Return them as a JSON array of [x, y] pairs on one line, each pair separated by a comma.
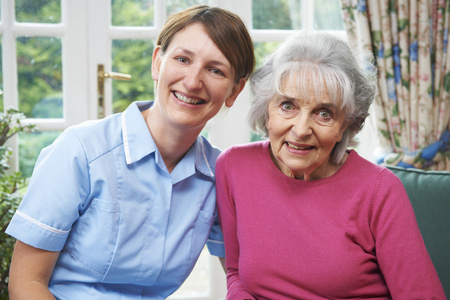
[[225, 29]]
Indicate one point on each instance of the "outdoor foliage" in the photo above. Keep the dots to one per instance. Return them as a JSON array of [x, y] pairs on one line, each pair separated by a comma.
[[10, 185]]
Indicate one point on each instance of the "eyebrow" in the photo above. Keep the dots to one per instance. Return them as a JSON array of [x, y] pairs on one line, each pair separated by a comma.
[[328, 105], [321, 104], [214, 62]]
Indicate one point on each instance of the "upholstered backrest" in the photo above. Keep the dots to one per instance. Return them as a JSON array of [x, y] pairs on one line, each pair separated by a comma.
[[429, 192]]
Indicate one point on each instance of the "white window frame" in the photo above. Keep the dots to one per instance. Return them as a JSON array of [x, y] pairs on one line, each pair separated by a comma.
[[73, 45]]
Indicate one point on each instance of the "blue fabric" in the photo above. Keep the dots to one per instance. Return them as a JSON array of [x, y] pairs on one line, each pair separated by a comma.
[[126, 227], [421, 159]]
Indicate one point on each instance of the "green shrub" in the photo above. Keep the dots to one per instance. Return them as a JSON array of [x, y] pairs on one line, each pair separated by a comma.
[[10, 185]]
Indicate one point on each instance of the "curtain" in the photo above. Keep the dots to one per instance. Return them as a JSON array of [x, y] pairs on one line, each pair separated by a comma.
[[408, 39]]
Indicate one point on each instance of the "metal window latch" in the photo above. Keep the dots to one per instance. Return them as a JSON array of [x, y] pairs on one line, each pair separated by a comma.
[[101, 75]]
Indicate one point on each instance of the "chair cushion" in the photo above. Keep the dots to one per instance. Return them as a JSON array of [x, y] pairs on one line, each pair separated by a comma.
[[429, 193]]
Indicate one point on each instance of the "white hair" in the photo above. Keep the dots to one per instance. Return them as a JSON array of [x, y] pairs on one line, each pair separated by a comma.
[[321, 61]]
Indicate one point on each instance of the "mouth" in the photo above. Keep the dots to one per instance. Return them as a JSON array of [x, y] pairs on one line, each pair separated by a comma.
[[188, 100], [299, 147]]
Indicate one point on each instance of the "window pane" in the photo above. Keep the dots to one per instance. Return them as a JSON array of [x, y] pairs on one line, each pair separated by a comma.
[[132, 57], [40, 77], [30, 145], [262, 50], [174, 6], [38, 11], [132, 12], [276, 14], [327, 15]]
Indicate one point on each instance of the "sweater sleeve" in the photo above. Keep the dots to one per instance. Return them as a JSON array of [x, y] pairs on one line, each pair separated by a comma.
[[400, 250], [227, 215]]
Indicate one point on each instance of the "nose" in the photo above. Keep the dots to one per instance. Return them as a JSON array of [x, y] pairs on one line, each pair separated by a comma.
[[302, 125], [193, 79]]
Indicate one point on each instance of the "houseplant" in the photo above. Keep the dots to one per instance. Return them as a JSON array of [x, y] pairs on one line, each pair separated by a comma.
[[10, 184]]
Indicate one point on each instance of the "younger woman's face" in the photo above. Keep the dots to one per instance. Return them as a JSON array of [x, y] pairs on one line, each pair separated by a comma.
[[194, 79]]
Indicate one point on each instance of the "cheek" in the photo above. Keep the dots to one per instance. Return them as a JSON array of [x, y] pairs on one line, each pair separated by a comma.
[[271, 125], [332, 137], [276, 127]]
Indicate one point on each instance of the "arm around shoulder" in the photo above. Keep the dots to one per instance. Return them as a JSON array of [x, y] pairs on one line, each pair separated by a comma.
[[31, 269]]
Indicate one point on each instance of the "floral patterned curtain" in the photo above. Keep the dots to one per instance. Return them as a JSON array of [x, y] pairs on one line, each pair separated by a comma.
[[408, 39]]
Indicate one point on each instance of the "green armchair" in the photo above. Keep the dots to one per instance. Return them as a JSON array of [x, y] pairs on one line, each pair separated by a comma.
[[429, 192]]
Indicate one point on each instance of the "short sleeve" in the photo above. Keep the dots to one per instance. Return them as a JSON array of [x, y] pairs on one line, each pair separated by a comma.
[[55, 196], [215, 242]]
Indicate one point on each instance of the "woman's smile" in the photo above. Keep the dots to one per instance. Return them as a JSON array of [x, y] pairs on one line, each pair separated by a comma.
[[188, 99], [296, 146]]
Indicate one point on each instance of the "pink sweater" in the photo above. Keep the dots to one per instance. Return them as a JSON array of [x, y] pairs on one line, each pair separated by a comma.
[[351, 235]]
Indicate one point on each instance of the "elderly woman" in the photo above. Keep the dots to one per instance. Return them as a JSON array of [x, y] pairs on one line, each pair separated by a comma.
[[303, 217]]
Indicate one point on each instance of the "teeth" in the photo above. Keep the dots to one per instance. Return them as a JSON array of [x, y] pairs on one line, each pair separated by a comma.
[[187, 100], [298, 148]]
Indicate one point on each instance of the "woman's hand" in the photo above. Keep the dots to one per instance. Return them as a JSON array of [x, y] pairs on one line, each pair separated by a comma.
[[30, 272]]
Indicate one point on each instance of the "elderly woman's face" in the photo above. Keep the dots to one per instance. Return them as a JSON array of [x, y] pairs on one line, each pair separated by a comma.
[[303, 132]]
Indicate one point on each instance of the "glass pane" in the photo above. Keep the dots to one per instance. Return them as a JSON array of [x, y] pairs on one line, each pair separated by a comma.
[[1, 75], [38, 11], [174, 6], [132, 12], [30, 145], [327, 15], [262, 50], [276, 14], [132, 57], [40, 77]]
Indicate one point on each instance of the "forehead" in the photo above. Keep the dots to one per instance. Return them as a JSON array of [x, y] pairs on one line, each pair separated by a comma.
[[309, 86], [308, 89], [196, 40]]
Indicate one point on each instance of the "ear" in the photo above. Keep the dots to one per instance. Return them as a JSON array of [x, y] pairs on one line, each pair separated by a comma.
[[237, 89], [156, 63], [343, 129]]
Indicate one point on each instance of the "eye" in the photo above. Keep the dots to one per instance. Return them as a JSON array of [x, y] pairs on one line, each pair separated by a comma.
[[217, 71], [325, 114], [287, 106], [182, 59]]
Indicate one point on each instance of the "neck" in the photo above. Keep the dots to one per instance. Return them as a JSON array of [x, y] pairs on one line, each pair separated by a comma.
[[328, 169], [172, 142], [325, 170]]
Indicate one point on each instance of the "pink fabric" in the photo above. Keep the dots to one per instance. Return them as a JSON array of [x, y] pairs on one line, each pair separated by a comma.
[[351, 235]]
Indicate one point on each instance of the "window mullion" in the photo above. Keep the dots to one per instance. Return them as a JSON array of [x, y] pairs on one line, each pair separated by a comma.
[[307, 13]]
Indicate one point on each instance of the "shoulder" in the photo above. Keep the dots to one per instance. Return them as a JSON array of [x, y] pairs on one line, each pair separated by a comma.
[[94, 138], [205, 156], [245, 151], [89, 139], [204, 147], [375, 180], [361, 168], [238, 160]]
